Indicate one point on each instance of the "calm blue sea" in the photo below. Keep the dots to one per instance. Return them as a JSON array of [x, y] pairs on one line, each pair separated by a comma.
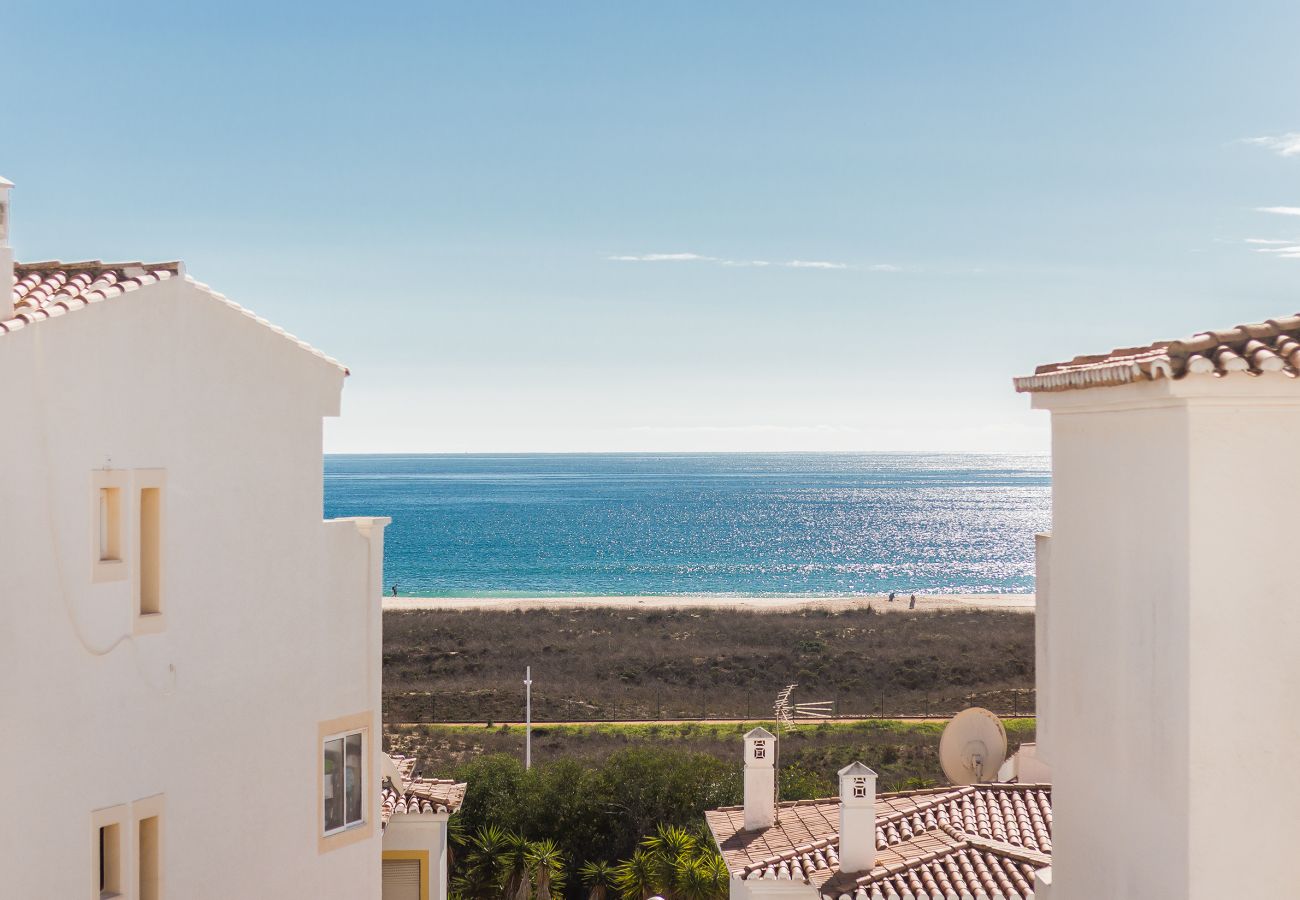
[[746, 524]]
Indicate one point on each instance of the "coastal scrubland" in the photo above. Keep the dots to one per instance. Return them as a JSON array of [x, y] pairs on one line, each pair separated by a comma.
[[603, 664], [904, 754], [596, 791], [600, 784]]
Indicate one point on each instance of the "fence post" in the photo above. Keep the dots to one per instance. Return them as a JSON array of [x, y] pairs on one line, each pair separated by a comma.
[[1015, 704], [658, 708]]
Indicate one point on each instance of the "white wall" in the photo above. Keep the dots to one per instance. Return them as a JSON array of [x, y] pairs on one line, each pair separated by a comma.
[[772, 889], [1244, 727], [426, 832], [1170, 638], [272, 617], [1042, 630]]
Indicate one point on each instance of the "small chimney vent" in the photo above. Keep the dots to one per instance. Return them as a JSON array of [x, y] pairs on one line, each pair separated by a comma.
[[6, 254], [857, 818], [760, 779]]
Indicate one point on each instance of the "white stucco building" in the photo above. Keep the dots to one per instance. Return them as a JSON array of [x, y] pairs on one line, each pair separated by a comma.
[[190, 662], [414, 814], [1167, 617]]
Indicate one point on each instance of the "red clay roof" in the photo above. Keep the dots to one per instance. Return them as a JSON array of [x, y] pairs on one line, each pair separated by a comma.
[[422, 795], [1271, 346], [960, 841], [45, 290]]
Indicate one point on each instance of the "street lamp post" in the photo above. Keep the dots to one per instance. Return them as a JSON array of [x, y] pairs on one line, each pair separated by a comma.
[[528, 717]]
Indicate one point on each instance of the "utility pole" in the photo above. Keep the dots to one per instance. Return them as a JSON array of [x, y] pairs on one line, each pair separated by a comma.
[[528, 717]]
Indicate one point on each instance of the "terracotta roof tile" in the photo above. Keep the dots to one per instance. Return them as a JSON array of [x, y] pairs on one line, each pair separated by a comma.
[[440, 796], [45, 290], [1271, 346], [955, 841], [422, 795]]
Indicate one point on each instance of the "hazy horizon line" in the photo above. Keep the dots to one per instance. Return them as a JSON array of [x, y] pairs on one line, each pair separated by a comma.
[[966, 452]]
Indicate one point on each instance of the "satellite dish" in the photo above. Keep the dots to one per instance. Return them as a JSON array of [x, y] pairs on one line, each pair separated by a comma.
[[973, 746], [388, 769]]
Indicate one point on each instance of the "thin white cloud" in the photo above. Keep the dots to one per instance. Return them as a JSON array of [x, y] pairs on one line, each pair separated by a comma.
[[665, 257], [1288, 251], [1279, 210], [750, 263], [814, 264], [1265, 241], [1283, 144]]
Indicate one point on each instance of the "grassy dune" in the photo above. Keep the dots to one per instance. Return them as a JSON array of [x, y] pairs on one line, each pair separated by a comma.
[[602, 664]]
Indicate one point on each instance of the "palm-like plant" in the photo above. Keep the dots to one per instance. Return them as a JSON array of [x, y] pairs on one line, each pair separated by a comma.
[[546, 866], [481, 876], [598, 878], [457, 840], [701, 877], [635, 877], [676, 862], [669, 846], [514, 867]]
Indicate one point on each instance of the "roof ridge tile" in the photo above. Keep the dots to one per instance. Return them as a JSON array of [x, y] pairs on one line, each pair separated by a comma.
[[1219, 352]]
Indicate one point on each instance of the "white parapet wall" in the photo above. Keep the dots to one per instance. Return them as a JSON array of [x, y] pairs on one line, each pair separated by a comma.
[[207, 716], [1169, 637]]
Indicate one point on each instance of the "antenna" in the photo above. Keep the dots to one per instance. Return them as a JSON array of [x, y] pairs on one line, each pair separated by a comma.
[[973, 746], [787, 714]]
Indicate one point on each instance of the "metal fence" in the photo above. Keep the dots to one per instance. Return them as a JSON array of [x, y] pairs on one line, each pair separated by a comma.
[[490, 706]]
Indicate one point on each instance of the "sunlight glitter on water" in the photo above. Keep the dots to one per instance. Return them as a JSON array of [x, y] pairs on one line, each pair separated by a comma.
[[747, 524]]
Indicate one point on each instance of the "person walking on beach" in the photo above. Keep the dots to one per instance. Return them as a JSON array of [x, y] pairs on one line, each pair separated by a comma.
[[912, 603], [891, 596], [394, 590]]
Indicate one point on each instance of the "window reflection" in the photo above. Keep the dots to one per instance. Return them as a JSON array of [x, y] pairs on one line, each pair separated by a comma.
[[352, 778], [334, 784]]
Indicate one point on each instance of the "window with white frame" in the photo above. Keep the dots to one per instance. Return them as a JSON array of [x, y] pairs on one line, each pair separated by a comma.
[[344, 774]]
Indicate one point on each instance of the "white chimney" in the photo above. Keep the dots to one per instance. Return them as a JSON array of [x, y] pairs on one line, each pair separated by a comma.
[[6, 254], [857, 818], [760, 779]]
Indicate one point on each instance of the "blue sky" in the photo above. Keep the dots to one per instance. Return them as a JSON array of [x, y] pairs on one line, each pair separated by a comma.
[[676, 226]]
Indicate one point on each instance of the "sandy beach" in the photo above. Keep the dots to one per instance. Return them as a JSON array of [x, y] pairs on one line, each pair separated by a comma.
[[1018, 602]]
